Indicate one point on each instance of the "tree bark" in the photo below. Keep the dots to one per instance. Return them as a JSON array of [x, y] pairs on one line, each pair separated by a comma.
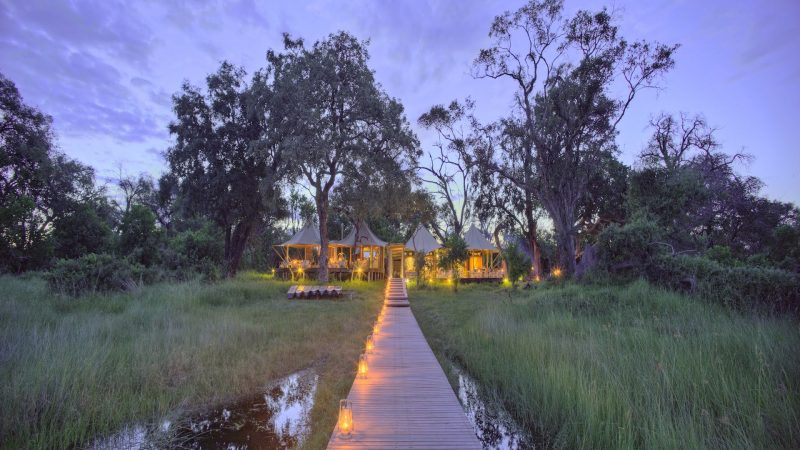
[[563, 222], [531, 236], [237, 242], [322, 210]]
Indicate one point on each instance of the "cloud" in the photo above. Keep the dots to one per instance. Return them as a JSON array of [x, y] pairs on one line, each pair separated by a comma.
[[71, 58]]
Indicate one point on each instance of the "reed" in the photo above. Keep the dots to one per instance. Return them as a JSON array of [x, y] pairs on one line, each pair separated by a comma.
[[73, 369], [624, 366]]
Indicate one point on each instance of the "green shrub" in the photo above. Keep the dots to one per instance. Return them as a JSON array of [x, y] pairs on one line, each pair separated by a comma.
[[198, 251], [630, 247], [741, 287], [517, 263], [97, 273]]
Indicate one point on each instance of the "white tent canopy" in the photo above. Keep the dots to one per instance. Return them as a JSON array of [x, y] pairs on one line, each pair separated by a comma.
[[477, 241], [308, 235], [365, 238], [422, 241]]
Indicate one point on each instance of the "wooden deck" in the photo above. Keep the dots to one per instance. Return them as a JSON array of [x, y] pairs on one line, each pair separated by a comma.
[[406, 401]]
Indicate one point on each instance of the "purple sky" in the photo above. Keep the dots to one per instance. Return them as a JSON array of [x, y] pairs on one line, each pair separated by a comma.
[[105, 70]]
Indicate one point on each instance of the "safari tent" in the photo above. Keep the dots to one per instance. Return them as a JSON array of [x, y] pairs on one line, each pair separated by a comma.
[[367, 251], [484, 260], [421, 241]]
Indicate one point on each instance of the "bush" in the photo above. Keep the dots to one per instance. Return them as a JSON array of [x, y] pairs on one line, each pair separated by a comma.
[[517, 263], [741, 287], [629, 247], [195, 251], [97, 273]]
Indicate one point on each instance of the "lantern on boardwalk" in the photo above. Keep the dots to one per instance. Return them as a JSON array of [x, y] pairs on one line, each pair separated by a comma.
[[362, 366], [345, 418], [370, 343], [376, 329]]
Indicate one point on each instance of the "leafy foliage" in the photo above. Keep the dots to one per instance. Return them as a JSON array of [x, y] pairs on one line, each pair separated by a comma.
[[96, 273], [226, 161], [454, 257], [518, 264], [740, 287]]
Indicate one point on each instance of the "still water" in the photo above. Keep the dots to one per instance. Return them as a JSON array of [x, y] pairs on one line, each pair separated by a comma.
[[493, 425], [276, 418]]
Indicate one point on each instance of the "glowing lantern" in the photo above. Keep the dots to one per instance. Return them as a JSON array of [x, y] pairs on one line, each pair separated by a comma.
[[537, 279], [345, 418], [557, 272], [376, 329], [370, 343], [362, 366]]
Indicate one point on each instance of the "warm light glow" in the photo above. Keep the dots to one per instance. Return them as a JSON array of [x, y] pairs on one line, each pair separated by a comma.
[[505, 280], [300, 270], [449, 280], [537, 278], [345, 418], [362, 366], [556, 272], [370, 343], [376, 329]]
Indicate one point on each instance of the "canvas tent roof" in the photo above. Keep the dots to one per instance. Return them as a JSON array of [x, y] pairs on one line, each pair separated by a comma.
[[422, 241], [477, 241], [308, 235], [365, 237]]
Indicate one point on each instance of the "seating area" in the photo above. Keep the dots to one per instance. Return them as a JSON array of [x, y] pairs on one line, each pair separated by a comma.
[[297, 291]]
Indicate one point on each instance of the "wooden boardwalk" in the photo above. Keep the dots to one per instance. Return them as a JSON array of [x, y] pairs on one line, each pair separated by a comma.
[[405, 402]]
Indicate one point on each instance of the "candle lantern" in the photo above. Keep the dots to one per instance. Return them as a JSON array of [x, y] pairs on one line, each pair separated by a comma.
[[362, 366], [370, 343], [345, 418]]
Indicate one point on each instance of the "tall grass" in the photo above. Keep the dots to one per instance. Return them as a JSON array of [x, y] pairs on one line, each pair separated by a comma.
[[624, 367], [73, 369]]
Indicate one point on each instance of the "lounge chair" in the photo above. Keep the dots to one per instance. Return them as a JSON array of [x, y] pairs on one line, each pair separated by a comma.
[[292, 291]]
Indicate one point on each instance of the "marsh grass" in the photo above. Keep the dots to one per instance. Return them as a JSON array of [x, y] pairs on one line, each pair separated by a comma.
[[623, 366], [73, 369]]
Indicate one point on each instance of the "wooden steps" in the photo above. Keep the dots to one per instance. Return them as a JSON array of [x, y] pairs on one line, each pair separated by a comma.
[[396, 294]]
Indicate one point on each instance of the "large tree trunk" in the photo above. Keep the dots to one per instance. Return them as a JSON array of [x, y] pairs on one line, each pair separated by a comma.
[[530, 234], [322, 210], [237, 243], [564, 224]]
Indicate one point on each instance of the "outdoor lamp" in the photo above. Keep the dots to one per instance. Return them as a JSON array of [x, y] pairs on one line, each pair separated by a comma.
[[557, 272], [370, 343], [376, 329], [345, 418], [362, 366]]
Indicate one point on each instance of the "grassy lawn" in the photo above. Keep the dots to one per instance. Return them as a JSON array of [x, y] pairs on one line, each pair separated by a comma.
[[73, 369], [623, 367]]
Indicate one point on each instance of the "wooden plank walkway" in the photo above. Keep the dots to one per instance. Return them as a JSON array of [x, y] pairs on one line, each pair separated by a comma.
[[405, 402]]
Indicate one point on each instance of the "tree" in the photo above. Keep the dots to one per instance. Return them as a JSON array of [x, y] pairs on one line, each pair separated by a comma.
[[339, 117], [80, 232], [139, 237], [451, 169], [301, 210], [567, 114], [454, 257], [690, 186], [517, 262], [226, 161], [38, 184]]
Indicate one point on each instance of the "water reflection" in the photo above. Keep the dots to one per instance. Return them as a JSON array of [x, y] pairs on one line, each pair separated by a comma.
[[274, 419], [493, 425]]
